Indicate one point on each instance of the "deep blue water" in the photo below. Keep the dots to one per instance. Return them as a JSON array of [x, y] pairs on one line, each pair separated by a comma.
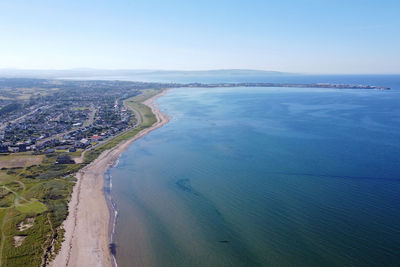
[[265, 177]]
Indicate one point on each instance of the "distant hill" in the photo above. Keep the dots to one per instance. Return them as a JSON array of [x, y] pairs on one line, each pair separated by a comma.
[[222, 72], [84, 72]]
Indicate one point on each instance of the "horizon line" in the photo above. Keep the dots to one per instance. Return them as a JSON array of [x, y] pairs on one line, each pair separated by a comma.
[[190, 70]]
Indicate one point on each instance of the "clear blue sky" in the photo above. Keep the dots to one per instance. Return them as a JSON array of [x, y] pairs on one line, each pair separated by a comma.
[[309, 36]]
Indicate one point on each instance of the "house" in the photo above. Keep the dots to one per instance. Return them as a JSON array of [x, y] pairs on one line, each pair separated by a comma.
[[4, 149], [96, 138], [72, 149], [85, 141], [22, 147], [64, 159]]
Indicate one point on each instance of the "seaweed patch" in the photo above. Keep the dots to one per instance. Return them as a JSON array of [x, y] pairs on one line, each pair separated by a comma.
[[184, 185]]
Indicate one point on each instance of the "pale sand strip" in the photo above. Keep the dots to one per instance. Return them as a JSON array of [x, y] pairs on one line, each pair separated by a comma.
[[87, 225]]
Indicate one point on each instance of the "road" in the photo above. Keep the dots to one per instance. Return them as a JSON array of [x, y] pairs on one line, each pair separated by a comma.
[[91, 116], [137, 115]]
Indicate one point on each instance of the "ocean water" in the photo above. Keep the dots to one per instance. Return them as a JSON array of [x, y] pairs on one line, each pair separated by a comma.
[[264, 177]]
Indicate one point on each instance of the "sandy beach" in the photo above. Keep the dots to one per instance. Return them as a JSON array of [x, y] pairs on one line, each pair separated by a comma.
[[87, 238]]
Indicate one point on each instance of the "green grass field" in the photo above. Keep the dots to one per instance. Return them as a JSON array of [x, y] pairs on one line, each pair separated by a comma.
[[145, 112], [33, 206]]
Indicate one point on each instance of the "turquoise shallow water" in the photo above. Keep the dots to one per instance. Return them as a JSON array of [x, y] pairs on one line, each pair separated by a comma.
[[263, 177]]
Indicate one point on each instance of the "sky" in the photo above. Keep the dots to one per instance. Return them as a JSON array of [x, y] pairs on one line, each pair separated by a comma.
[[302, 36]]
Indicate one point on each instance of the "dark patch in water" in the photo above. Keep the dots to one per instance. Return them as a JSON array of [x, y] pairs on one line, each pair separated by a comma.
[[113, 248], [225, 231], [184, 185], [217, 211]]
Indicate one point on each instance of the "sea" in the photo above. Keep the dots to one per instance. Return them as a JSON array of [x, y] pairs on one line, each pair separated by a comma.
[[264, 177]]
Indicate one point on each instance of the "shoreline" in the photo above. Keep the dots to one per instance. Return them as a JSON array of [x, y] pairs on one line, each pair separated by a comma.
[[112, 210], [88, 230]]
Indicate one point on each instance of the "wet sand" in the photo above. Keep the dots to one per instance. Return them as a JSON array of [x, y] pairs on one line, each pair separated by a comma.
[[87, 237]]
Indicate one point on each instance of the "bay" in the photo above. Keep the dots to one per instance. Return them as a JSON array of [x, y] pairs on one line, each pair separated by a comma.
[[264, 177]]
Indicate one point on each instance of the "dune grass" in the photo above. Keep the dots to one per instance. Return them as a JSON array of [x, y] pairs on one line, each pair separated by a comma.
[[34, 206]]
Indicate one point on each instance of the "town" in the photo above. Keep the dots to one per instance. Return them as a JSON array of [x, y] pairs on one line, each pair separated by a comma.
[[44, 116]]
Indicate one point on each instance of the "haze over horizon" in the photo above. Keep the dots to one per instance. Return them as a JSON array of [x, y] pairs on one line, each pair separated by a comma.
[[87, 70], [309, 36]]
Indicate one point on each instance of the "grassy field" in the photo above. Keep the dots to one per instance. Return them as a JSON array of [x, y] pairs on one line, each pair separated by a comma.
[[148, 118], [34, 196], [145, 112], [143, 96], [25, 195], [26, 93], [20, 160]]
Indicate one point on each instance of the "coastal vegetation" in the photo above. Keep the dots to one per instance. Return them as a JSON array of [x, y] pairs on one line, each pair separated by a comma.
[[33, 206], [136, 103]]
